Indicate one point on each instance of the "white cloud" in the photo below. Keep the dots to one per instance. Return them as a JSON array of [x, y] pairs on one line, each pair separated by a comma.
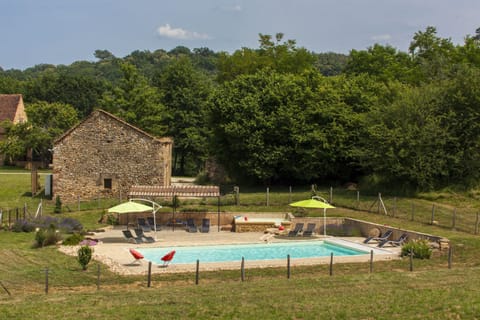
[[230, 8], [382, 37], [179, 33]]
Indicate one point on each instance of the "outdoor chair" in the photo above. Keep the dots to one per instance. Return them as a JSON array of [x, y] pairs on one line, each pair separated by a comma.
[[129, 236], [310, 229], [395, 243], [205, 225], [143, 224], [137, 255], [381, 238], [152, 224], [142, 236], [167, 258], [298, 228], [191, 227]]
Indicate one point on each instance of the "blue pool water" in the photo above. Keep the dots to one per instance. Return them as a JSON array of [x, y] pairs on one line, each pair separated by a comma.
[[268, 251]]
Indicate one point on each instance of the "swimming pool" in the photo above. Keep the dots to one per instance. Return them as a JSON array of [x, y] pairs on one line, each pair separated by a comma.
[[270, 251]]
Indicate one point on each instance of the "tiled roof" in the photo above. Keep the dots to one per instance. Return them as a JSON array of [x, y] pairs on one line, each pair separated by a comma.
[[170, 191], [8, 106]]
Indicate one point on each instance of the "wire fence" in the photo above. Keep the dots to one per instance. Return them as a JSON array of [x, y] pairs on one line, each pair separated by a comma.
[[427, 212], [48, 280]]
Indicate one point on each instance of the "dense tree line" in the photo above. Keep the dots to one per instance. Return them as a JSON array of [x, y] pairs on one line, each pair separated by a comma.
[[280, 113]]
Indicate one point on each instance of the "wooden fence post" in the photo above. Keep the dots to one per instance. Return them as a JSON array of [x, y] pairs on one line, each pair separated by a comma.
[[288, 266], [46, 281], [268, 196], [411, 260], [450, 254], [290, 194], [378, 204], [476, 224], [433, 214], [236, 192], [331, 195], [242, 267], [98, 277], [197, 270], [149, 277], [394, 206], [358, 199], [454, 218], [371, 261], [5, 288], [331, 264]]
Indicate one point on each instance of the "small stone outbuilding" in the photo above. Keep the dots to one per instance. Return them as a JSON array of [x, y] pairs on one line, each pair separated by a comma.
[[11, 109], [103, 156]]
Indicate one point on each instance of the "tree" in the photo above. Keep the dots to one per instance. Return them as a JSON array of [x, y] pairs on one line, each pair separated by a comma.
[[331, 63], [271, 127], [103, 55], [384, 63], [49, 121], [185, 96], [46, 122], [81, 92], [136, 101], [433, 55], [281, 57], [406, 143]]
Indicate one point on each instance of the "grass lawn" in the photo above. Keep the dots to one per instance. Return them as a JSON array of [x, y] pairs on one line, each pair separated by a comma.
[[431, 291]]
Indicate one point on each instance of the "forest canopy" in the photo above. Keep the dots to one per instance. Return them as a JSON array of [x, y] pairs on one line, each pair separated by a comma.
[[279, 113]]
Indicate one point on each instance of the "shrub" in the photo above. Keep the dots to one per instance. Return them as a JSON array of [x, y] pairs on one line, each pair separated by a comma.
[[47, 237], [23, 226], [84, 256], [58, 205], [202, 178], [40, 237], [420, 248], [67, 225], [111, 219], [73, 240], [70, 225]]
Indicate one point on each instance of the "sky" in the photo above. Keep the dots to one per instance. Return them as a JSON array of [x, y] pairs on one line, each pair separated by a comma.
[[64, 31]]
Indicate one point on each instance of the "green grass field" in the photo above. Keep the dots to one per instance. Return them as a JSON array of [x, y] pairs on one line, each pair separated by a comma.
[[431, 291]]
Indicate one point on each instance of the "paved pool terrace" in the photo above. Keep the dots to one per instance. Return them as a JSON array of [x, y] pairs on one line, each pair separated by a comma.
[[112, 250]]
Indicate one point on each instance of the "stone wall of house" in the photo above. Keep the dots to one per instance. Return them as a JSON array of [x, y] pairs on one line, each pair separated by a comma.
[[104, 156]]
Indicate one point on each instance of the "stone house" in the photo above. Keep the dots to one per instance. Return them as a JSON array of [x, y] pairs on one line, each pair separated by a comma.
[[12, 109], [103, 156]]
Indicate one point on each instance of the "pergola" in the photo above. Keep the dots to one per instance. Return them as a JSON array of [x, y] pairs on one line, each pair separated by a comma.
[[188, 191]]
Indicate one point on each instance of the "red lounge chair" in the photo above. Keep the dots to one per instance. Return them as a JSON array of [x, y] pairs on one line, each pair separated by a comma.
[[167, 258], [137, 255]]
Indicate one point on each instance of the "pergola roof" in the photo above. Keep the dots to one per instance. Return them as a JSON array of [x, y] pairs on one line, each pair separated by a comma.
[[171, 191]]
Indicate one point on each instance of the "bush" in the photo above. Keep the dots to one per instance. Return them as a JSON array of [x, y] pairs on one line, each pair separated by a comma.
[[70, 225], [40, 237], [73, 240], [84, 256], [67, 225], [23, 226], [420, 248], [47, 237]]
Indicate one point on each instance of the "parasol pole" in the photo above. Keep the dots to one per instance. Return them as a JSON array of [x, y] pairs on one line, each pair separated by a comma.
[[324, 222]]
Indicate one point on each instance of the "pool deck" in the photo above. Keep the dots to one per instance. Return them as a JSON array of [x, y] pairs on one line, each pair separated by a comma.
[[112, 250]]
